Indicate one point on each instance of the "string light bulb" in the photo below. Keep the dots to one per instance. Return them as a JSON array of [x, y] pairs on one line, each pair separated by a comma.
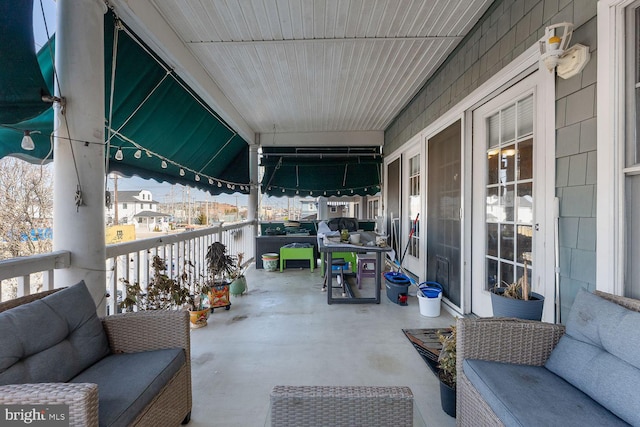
[[138, 153], [197, 178], [119, 155], [219, 184], [27, 142], [182, 172], [163, 164], [210, 181]]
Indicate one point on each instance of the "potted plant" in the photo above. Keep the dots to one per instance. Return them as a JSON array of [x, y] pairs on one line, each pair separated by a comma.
[[220, 266], [238, 283], [162, 292], [197, 300], [517, 299], [166, 293], [447, 371]]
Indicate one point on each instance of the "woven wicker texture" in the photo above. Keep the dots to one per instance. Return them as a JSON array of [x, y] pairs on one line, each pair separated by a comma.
[[630, 303], [505, 340], [127, 333], [153, 330], [171, 405], [82, 399], [346, 406], [25, 299]]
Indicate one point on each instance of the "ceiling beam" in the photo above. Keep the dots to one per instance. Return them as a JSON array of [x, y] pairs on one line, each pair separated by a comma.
[[324, 40], [323, 139]]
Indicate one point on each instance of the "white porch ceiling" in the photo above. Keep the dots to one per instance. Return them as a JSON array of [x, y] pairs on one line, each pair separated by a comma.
[[306, 65]]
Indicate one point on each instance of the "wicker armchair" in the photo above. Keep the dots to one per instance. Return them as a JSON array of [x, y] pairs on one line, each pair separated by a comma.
[[127, 333], [504, 340]]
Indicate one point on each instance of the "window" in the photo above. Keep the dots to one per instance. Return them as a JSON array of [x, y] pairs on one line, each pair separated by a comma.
[[631, 168], [617, 168], [124, 206], [372, 207], [414, 205], [509, 192]]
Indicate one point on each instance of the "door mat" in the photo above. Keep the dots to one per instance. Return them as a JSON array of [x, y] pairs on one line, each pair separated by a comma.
[[426, 342]]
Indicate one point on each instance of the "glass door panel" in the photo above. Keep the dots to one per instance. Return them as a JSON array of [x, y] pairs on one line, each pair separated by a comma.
[[514, 188], [503, 138], [414, 206]]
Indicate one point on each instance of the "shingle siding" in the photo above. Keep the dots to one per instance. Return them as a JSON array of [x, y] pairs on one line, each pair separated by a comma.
[[508, 28]]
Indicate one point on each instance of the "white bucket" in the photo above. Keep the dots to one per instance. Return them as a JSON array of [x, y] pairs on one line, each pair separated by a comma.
[[429, 307]]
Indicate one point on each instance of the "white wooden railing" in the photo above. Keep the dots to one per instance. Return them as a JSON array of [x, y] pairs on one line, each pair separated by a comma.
[[22, 269], [132, 260]]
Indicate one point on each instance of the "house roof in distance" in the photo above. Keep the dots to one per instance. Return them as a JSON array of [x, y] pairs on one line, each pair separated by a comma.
[[131, 196]]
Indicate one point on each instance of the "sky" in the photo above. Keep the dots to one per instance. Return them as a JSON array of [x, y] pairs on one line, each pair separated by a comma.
[[44, 26]]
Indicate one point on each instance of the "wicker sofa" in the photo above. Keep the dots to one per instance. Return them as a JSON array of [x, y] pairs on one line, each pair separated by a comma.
[[515, 372], [125, 369]]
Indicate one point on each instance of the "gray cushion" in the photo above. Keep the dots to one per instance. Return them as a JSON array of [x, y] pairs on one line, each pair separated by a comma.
[[128, 382], [602, 323], [533, 396], [51, 339], [596, 354]]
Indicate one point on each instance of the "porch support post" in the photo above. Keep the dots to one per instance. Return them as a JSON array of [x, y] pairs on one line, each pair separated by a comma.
[[253, 179], [79, 162], [253, 203], [323, 208]]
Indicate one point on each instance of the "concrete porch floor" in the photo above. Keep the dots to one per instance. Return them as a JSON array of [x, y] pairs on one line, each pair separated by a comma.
[[283, 332]]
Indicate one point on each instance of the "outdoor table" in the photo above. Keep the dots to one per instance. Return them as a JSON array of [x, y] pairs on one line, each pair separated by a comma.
[[327, 247]]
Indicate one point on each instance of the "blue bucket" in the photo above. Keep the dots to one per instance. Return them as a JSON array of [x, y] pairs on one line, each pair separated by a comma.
[[396, 278], [430, 289]]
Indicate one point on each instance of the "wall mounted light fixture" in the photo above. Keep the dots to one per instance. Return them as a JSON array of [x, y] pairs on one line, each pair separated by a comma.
[[556, 54]]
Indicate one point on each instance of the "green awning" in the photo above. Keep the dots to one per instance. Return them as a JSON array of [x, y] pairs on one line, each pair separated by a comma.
[[21, 83], [321, 171], [163, 129]]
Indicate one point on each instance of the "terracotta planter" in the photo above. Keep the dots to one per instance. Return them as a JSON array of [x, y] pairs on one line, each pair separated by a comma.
[[199, 318], [521, 309]]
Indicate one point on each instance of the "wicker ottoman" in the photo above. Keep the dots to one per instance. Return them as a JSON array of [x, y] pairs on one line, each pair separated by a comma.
[[347, 406]]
